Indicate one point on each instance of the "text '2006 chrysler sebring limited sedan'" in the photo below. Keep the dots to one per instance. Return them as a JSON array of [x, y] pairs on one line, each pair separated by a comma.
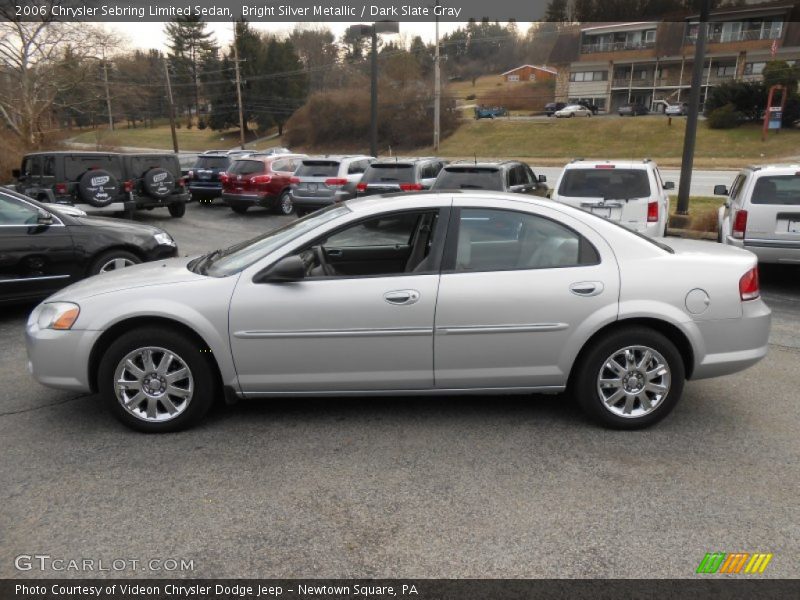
[[411, 294]]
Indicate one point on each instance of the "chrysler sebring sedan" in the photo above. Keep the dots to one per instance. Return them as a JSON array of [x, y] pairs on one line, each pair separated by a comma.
[[449, 293]]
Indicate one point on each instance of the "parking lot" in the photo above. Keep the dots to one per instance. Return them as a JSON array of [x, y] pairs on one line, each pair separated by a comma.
[[405, 487]]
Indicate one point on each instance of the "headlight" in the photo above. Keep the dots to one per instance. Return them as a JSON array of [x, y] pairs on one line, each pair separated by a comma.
[[55, 315], [164, 239]]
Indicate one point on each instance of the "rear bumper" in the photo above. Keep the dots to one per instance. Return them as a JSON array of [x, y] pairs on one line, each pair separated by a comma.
[[319, 201], [205, 190], [248, 199], [769, 251], [732, 345], [148, 202]]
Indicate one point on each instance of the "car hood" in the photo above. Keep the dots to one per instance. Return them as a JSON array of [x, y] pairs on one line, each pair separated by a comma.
[[117, 225], [161, 272]]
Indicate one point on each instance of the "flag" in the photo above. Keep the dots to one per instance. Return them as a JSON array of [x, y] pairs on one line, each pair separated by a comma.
[[774, 48]]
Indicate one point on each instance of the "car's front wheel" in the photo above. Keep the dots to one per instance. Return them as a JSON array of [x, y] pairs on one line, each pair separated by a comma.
[[156, 380], [631, 378]]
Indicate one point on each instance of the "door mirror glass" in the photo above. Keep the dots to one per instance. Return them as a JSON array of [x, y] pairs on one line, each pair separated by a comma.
[[669, 185], [720, 190], [289, 268]]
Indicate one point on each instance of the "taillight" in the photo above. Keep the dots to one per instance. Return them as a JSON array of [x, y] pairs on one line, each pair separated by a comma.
[[190, 175], [605, 166], [335, 182], [411, 187], [128, 186], [652, 212], [294, 180], [182, 182], [361, 187], [748, 285], [61, 188], [739, 224], [259, 179], [223, 177]]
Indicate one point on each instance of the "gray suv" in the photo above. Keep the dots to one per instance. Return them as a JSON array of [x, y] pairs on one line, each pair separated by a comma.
[[391, 175], [322, 180]]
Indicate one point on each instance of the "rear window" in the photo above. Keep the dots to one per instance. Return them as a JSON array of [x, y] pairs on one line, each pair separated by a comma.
[[605, 183], [75, 166], [777, 189], [246, 167], [470, 178], [212, 162], [318, 168], [389, 173]]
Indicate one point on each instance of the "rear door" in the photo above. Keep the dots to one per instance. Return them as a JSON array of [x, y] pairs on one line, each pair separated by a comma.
[[773, 211], [385, 178], [616, 193]]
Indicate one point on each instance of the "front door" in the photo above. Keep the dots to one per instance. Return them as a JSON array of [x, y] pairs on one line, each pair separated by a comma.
[[518, 293], [362, 319]]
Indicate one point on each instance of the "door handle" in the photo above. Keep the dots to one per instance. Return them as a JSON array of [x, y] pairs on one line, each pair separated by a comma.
[[401, 297], [587, 288], [334, 253]]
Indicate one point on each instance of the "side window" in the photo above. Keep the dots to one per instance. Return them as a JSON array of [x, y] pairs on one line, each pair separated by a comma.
[[49, 167], [501, 240], [357, 166], [525, 174], [388, 231], [426, 171], [738, 185], [514, 176], [280, 165], [16, 212]]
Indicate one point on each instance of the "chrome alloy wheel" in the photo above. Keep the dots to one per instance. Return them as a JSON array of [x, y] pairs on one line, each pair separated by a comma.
[[286, 205], [633, 381], [115, 264], [153, 384]]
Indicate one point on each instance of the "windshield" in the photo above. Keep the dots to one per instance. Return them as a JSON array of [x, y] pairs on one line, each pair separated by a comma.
[[389, 173], [240, 256], [246, 167], [469, 178], [605, 183], [212, 162], [318, 168]]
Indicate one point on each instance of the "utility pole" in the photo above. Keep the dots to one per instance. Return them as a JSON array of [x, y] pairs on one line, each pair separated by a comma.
[[171, 108], [238, 87], [437, 91], [108, 96], [373, 109], [694, 108]]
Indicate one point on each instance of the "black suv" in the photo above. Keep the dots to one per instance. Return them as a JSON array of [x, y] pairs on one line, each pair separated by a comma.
[[399, 175], [156, 182], [94, 182], [204, 181], [502, 176]]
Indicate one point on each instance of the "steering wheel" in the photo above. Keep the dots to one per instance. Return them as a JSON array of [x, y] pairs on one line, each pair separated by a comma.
[[319, 254]]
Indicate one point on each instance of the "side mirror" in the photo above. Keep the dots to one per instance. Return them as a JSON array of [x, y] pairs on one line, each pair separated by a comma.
[[44, 218], [289, 268], [16, 173], [720, 190], [669, 185], [542, 178]]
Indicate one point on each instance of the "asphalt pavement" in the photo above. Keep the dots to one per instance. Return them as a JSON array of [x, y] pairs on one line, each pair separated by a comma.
[[404, 487]]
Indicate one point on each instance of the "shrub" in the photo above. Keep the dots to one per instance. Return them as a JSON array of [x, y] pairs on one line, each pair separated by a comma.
[[201, 124], [725, 117]]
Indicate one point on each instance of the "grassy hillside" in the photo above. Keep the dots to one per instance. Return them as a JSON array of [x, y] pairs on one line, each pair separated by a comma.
[[555, 140], [160, 137]]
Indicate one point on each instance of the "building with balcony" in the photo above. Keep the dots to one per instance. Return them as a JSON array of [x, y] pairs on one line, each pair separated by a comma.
[[650, 62]]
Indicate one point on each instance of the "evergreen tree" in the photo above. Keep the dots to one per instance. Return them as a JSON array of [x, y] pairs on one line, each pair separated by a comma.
[[190, 48], [556, 11]]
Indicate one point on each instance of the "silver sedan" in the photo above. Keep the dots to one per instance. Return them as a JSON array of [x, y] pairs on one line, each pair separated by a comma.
[[412, 294], [573, 110]]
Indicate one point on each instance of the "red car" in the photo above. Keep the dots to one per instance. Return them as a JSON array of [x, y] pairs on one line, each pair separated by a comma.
[[260, 180]]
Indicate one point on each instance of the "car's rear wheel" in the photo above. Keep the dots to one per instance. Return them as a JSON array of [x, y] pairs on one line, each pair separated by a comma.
[[156, 380], [285, 206], [113, 260], [631, 378], [177, 209], [239, 209]]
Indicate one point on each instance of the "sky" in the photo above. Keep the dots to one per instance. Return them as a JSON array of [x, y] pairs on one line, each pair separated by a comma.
[[151, 35]]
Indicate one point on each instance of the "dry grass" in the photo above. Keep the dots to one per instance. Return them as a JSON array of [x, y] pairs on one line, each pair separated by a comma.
[[159, 137], [702, 212]]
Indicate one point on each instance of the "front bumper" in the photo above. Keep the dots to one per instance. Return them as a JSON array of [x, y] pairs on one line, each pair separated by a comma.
[[60, 359]]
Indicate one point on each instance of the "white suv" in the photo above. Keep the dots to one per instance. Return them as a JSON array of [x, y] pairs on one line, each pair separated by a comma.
[[630, 193], [762, 213]]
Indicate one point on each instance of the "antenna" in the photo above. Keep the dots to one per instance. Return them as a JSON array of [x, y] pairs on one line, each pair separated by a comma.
[[475, 157]]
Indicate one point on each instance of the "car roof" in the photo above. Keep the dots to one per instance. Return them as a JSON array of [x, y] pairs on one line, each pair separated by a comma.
[[773, 167], [333, 157], [404, 159], [482, 164], [580, 163], [72, 153], [270, 157]]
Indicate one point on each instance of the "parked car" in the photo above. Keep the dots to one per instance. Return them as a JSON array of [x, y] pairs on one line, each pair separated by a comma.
[[551, 107], [323, 180], [762, 213], [261, 181], [631, 193], [46, 247], [490, 112], [502, 176], [479, 291], [156, 182], [399, 175], [94, 182], [677, 110], [632, 110], [573, 110], [273, 151], [204, 176]]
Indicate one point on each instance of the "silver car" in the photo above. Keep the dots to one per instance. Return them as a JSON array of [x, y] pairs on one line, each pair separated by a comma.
[[450, 293], [322, 180]]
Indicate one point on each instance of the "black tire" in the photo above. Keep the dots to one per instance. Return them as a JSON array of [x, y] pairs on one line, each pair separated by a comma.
[[158, 183], [186, 350], [239, 209], [585, 386], [177, 209], [98, 188], [284, 206], [101, 263]]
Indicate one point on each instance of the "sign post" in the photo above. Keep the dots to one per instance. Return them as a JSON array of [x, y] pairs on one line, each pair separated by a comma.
[[773, 115]]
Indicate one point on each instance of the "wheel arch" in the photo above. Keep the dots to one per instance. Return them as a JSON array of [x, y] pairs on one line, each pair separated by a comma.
[[667, 329], [135, 250], [122, 327]]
